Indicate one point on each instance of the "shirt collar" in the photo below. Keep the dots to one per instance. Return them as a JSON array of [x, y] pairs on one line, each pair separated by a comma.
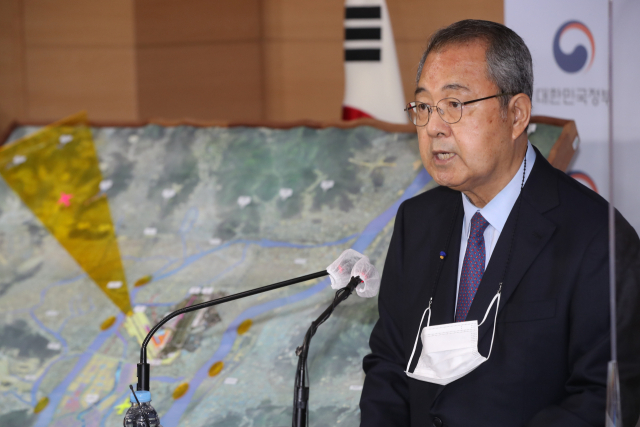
[[498, 209]]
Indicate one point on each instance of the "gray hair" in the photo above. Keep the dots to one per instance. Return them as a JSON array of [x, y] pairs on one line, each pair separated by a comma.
[[509, 63]]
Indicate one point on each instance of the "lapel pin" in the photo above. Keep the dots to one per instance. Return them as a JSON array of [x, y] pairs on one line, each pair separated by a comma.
[[442, 254]]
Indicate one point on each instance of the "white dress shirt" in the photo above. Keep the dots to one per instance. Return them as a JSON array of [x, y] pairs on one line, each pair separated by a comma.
[[495, 212]]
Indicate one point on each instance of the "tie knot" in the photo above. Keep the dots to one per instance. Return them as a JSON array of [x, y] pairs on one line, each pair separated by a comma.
[[478, 225]]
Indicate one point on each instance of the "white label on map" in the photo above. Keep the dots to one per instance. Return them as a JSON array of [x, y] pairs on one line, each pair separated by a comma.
[[139, 308], [65, 139], [215, 241], [150, 231], [285, 193], [168, 193], [114, 284], [327, 184], [54, 345], [244, 201], [19, 159], [196, 290], [155, 362], [231, 381], [355, 387], [106, 184], [300, 261], [133, 139], [51, 313], [207, 291], [91, 398], [31, 377]]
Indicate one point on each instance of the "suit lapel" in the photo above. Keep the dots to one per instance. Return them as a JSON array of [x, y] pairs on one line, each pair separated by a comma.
[[444, 297], [532, 232], [444, 300], [444, 291]]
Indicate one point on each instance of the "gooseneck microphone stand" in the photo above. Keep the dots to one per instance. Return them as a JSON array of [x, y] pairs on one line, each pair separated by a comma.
[[144, 367], [301, 388]]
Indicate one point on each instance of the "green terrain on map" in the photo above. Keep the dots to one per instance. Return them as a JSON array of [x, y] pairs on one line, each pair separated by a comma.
[[199, 213]]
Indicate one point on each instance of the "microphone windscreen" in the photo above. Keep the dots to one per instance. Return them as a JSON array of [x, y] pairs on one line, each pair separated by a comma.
[[340, 269], [369, 276]]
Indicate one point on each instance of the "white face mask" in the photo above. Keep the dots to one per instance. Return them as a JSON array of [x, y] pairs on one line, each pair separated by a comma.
[[449, 351]]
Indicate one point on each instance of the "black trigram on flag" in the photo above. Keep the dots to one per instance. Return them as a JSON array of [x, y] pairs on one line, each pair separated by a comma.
[[374, 32], [373, 87]]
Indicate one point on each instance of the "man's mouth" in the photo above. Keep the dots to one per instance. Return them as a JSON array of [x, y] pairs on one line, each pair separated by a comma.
[[444, 156]]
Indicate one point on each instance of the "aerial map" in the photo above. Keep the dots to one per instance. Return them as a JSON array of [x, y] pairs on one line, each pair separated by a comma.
[[105, 230]]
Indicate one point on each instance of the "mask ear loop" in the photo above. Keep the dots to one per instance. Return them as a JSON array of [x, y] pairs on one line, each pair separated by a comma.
[[506, 267], [495, 319], [415, 344], [434, 287]]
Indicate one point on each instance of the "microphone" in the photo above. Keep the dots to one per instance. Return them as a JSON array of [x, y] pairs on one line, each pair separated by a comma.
[[350, 264], [359, 266], [340, 269], [144, 368], [350, 271]]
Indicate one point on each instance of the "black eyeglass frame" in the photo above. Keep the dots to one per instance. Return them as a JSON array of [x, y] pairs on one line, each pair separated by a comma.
[[462, 104]]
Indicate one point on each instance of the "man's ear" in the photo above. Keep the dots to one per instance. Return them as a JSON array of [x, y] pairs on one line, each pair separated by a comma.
[[520, 107]]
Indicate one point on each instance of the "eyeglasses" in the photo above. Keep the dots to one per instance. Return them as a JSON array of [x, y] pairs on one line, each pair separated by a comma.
[[450, 109]]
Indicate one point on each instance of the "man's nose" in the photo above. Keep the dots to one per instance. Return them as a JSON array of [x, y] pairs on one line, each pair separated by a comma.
[[437, 127]]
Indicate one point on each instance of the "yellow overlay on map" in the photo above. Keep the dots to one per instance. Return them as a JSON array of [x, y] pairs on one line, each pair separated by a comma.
[[56, 174]]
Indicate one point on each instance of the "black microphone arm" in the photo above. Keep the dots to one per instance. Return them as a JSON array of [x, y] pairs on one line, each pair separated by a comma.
[[144, 367], [301, 387]]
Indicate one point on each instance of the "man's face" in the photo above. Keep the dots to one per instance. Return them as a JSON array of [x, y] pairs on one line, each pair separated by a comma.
[[475, 153]]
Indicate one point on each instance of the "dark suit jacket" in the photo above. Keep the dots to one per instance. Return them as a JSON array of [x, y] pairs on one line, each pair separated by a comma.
[[548, 366]]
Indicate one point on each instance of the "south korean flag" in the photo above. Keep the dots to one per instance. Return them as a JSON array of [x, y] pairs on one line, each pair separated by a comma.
[[373, 87]]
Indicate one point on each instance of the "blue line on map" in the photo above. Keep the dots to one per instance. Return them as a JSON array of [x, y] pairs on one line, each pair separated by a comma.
[[175, 412], [76, 313], [165, 379], [228, 269], [134, 291], [81, 415], [45, 417], [56, 334], [57, 394], [173, 415], [149, 258], [265, 243], [125, 345], [188, 220], [157, 304], [110, 410], [36, 385], [185, 227], [374, 227], [17, 396]]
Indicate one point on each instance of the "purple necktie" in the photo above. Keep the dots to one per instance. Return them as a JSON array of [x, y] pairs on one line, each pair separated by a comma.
[[472, 267]]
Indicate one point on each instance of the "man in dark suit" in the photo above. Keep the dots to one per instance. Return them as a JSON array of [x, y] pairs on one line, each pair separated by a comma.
[[504, 222]]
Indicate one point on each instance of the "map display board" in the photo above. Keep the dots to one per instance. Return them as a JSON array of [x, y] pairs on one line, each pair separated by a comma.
[[105, 230]]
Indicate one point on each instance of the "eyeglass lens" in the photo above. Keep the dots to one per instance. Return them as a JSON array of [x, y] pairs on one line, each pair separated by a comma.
[[449, 109]]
